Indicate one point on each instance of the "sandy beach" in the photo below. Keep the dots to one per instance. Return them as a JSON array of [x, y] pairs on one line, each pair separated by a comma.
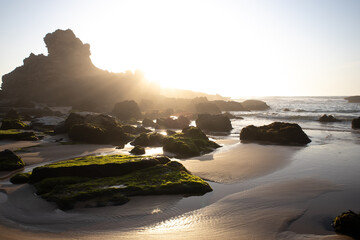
[[260, 192]]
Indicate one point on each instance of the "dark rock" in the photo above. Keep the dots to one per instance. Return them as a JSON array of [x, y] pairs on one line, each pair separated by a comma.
[[20, 178], [348, 223], [13, 124], [148, 123], [95, 128], [149, 140], [214, 123], [228, 105], [13, 134], [355, 123], [353, 99], [286, 110], [207, 107], [189, 143], [60, 128], [170, 132], [328, 118], [256, 105], [277, 132], [10, 161], [138, 150], [134, 130], [127, 110], [12, 114], [179, 123]]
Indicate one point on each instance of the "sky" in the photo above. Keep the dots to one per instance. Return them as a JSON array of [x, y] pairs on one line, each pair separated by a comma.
[[229, 47]]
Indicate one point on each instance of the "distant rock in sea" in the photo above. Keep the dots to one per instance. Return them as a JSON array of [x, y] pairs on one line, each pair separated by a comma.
[[328, 118], [353, 99], [355, 123]]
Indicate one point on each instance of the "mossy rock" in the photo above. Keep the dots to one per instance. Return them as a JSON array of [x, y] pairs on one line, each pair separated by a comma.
[[164, 177], [20, 178], [348, 223], [17, 135], [138, 150], [276, 133], [10, 161], [190, 142], [149, 140], [13, 124]]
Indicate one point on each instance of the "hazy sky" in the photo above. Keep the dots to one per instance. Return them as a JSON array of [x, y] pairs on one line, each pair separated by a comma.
[[234, 48]]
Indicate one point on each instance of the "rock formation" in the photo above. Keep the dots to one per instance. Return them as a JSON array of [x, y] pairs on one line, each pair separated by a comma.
[[328, 118], [353, 99], [277, 133], [214, 123], [355, 123]]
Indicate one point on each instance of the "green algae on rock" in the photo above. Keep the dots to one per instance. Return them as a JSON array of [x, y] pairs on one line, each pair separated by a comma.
[[20, 178], [190, 142], [17, 135], [10, 161], [87, 181], [13, 124], [138, 150], [348, 223]]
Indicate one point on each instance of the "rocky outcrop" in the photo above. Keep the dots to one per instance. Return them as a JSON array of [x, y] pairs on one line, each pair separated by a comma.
[[353, 99], [67, 69], [127, 110], [95, 128], [17, 135], [149, 140], [10, 161], [138, 150], [189, 143], [207, 107], [95, 181], [328, 118], [277, 133], [348, 223], [178, 123], [13, 124], [214, 123], [229, 105], [255, 105], [148, 123], [355, 123]]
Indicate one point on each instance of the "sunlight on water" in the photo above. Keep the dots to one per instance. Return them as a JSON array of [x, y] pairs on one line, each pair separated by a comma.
[[173, 224]]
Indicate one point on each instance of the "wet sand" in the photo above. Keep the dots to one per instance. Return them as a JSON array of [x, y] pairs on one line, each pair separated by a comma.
[[262, 192]]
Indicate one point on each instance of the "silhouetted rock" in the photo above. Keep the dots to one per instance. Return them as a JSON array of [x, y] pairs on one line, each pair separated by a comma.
[[228, 105], [95, 128], [127, 110], [256, 105], [277, 132], [207, 107], [232, 116], [148, 123], [189, 143], [214, 123], [17, 135], [134, 130], [328, 118], [10, 161], [355, 123], [179, 123], [353, 99], [348, 223], [138, 150], [149, 140]]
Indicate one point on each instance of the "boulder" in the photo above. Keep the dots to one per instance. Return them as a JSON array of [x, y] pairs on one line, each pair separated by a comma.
[[13, 124], [255, 105], [228, 105], [20, 178], [214, 123], [190, 142], [277, 132], [12, 114], [10, 161], [348, 223], [148, 123], [17, 135], [149, 140], [95, 128], [179, 123], [127, 110], [138, 150], [355, 123], [328, 118], [207, 107], [95, 181]]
